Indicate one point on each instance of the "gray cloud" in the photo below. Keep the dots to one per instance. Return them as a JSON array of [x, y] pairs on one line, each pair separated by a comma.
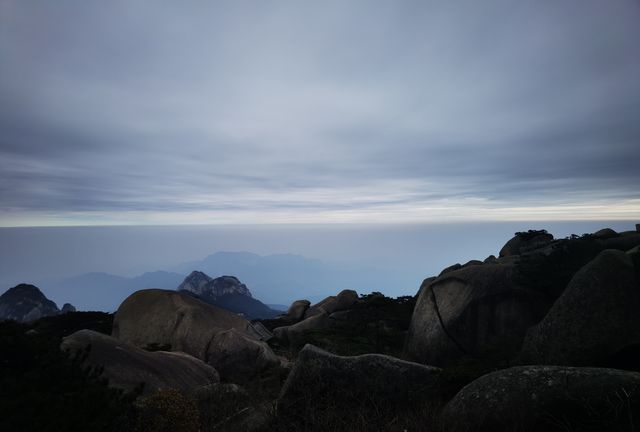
[[354, 110]]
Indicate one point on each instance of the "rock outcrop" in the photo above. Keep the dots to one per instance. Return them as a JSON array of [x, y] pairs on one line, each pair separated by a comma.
[[25, 303], [372, 381], [303, 318], [595, 318], [128, 367], [525, 241], [67, 307], [483, 310], [623, 241], [605, 233], [546, 398], [476, 310]]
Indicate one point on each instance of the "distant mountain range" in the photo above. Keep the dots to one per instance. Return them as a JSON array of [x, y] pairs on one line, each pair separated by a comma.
[[283, 278], [25, 303], [275, 279], [103, 291]]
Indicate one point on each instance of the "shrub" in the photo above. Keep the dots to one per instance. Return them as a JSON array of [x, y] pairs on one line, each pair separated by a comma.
[[167, 411], [41, 389]]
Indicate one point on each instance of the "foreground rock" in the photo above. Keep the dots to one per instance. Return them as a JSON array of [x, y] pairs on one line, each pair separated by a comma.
[[594, 319], [476, 310], [24, 303], [483, 310], [173, 321], [240, 358], [546, 398], [127, 367], [294, 335], [323, 381]]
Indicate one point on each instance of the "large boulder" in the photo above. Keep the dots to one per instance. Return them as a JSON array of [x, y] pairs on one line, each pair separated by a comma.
[[297, 310], [595, 318], [605, 233], [477, 310], [321, 382], [546, 398], [172, 321], [238, 357], [623, 241], [294, 335], [67, 308], [320, 316], [345, 299], [127, 367], [525, 241]]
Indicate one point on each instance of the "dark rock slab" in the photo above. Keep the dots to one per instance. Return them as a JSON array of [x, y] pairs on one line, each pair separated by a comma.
[[127, 367], [323, 381], [546, 398], [596, 316]]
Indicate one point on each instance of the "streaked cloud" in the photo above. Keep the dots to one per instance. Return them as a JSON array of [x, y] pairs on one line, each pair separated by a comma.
[[350, 111]]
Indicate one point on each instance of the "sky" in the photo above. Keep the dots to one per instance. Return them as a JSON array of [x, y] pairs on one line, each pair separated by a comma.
[[254, 112]]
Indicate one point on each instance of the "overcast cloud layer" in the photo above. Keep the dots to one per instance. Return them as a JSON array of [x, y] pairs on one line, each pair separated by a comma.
[[304, 111]]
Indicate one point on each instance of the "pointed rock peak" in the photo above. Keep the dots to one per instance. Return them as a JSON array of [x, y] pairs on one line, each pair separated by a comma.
[[25, 302], [204, 286], [229, 285], [196, 274], [195, 282]]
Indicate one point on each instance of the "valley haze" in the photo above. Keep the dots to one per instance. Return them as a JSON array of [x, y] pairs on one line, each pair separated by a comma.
[[95, 268]]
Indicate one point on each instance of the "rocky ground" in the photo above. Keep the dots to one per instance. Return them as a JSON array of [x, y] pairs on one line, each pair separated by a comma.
[[543, 337]]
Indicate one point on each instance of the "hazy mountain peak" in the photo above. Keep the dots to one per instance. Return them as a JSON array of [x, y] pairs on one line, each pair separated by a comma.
[[203, 285], [195, 282], [229, 285], [26, 302], [226, 292]]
